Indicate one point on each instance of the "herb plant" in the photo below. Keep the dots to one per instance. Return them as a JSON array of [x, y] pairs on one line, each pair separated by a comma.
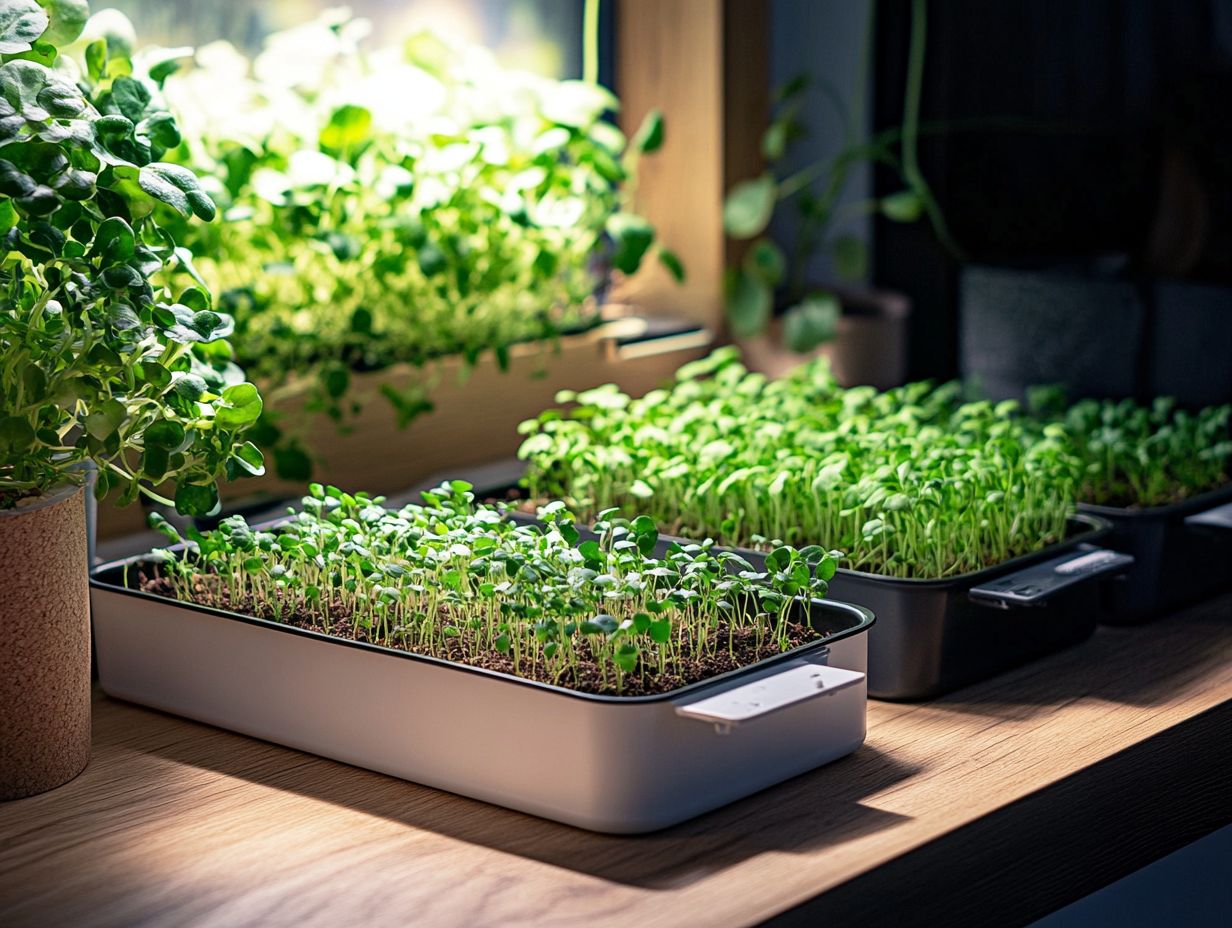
[[911, 482], [401, 205], [457, 581], [821, 216], [103, 357], [1136, 456]]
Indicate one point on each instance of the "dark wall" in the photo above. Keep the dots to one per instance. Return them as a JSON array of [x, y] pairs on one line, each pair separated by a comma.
[[1059, 131]]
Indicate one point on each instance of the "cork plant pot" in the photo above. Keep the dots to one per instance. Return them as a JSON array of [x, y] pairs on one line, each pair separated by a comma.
[[44, 644]]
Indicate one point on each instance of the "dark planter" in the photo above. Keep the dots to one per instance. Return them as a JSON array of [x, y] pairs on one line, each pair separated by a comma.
[[1100, 335], [1182, 554], [934, 636], [869, 347], [1021, 328]]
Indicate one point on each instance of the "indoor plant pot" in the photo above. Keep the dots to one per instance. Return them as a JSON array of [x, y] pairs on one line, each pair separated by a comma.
[[45, 657], [105, 381], [869, 344], [607, 763], [1181, 555]]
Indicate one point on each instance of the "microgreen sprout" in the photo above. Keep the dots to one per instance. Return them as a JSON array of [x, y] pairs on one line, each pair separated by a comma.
[[455, 580], [1137, 455], [911, 482]]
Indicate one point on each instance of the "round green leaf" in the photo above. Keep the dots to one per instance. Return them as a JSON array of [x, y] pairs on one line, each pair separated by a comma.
[[196, 499], [749, 206], [164, 433], [811, 322], [649, 136], [904, 206], [250, 459], [749, 301], [633, 236], [240, 406], [766, 262], [68, 19], [22, 22]]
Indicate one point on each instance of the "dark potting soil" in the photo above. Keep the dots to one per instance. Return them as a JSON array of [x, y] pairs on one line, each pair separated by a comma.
[[591, 675], [1129, 501], [10, 498]]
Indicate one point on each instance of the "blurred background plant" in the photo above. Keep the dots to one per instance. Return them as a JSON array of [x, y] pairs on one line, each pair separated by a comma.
[[396, 205], [768, 275]]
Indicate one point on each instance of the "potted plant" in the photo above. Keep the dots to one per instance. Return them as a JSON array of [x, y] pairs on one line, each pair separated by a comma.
[[942, 507], [863, 331], [388, 209], [1163, 477], [566, 672], [102, 359]]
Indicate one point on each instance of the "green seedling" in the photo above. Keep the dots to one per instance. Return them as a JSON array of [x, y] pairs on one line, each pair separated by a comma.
[[910, 482], [1137, 456], [450, 579]]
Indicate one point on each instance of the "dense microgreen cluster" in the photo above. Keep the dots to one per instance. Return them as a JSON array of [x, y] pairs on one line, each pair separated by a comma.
[[1134, 455], [911, 482], [103, 356], [402, 204], [455, 580]]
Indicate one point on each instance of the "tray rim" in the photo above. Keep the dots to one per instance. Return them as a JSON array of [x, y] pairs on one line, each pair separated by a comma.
[[1095, 526], [1170, 510], [864, 616]]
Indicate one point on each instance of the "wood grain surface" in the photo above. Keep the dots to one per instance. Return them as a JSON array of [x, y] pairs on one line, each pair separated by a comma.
[[992, 806]]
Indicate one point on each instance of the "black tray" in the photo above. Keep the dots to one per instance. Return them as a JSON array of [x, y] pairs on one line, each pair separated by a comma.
[[1182, 554], [933, 636]]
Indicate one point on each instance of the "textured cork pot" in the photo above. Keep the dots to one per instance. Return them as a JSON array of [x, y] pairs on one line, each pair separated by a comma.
[[44, 644]]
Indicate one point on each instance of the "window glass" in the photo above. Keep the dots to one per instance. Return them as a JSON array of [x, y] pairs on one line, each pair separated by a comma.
[[543, 36]]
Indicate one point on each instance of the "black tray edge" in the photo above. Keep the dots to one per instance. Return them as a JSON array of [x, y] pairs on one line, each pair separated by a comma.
[[865, 620]]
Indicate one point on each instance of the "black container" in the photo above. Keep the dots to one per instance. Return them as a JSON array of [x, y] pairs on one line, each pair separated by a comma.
[[934, 636], [1182, 554]]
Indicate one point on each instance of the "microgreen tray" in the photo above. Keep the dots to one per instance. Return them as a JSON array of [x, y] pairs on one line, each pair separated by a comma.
[[1182, 554], [936, 635], [620, 764]]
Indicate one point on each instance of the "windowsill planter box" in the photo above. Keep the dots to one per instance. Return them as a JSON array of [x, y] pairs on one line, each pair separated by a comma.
[[1182, 554], [934, 636], [474, 417], [614, 764]]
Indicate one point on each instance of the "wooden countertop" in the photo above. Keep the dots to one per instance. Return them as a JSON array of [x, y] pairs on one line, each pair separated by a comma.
[[994, 805]]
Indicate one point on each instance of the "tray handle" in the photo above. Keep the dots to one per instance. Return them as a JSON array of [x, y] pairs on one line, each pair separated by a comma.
[[1217, 517], [795, 682], [1032, 586]]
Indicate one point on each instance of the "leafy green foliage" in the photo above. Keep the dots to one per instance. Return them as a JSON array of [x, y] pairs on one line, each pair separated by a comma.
[[1137, 456], [911, 482], [458, 581], [102, 357], [398, 205], [822, 215]]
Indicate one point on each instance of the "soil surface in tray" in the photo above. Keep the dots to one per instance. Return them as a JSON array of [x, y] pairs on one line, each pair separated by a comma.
[[590, 675], [1178, 494]]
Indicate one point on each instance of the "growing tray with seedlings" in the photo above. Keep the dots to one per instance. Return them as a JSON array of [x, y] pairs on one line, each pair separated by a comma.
[[682, 683], [1162, 476], [941, 506]]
